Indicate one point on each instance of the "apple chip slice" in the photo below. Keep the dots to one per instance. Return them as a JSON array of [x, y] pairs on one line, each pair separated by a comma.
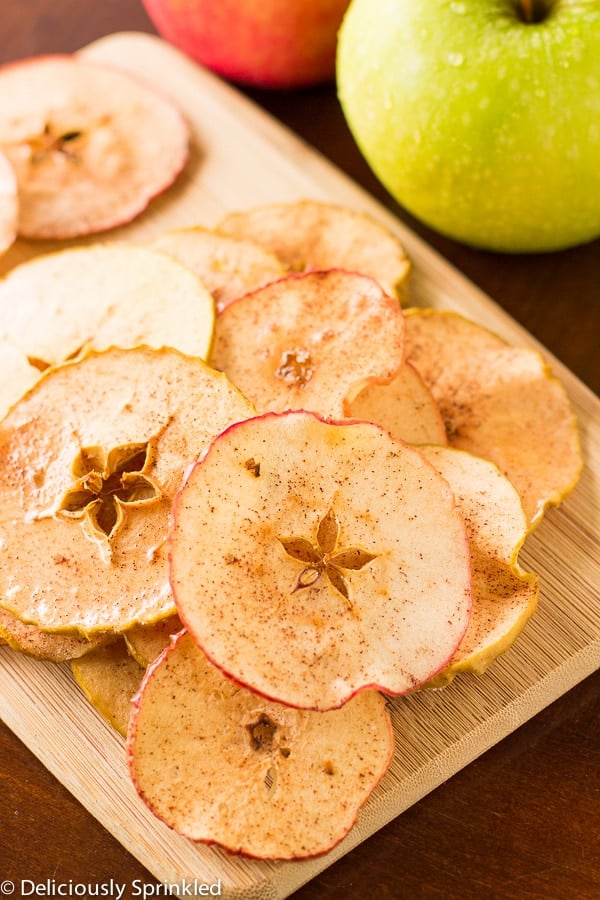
[[33, 641], [310, 341], [227, 267], [504, 596], [499, 402], [90, 460], [405, 407], [110, 678], [310, 234], [90, 145], [146, 642], [221, 765], [9, 204], [311, 560]]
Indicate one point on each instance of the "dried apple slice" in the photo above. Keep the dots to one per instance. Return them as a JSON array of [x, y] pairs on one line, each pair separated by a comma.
[[310, 234], [405, 407], [146, 642], [90, 145], [90, 460], [110, 677], [221, 765], [33, 641], [499, 402], [227, 267], [504, 595], [9, 204], [311, 560], [102, 295], [310, 341]]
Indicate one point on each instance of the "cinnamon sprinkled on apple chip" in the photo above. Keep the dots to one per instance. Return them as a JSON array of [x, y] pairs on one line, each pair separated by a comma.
[[221, 765], [498, 402], [310, 234], [310, 341], [90, 145], [90, 460], [312, 560]]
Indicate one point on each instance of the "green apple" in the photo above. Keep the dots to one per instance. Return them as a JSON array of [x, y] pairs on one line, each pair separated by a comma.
[[481, 117], [266, 43]]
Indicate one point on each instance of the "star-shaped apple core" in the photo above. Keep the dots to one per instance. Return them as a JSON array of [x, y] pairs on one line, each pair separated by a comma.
[[52, 141], [106, 484], [326, 558]]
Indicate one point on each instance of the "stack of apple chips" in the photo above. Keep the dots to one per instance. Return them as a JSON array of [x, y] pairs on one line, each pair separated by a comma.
[[246, 488]]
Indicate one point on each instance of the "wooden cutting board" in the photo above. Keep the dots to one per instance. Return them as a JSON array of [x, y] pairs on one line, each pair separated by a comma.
[[241, 157]]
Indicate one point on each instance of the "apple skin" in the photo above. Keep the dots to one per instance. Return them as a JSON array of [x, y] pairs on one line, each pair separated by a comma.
[[483, 126], [264, 43]]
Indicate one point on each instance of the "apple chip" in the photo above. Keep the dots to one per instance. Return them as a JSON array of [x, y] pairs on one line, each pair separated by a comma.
[[310, 341], [504, 596], [311, 560], [109, 677], [33, 641], [314, 235], [227, 267], [90, 460], [146, 642], [58, 304], [9, 204], [221, 765], [90, 145], [499, 402], [405, 407]]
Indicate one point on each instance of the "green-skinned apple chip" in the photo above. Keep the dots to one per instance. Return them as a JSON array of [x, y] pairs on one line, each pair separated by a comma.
[[90, 461], [310, 341], [311, 234], [102, 295], [499, 402], [221, 765], [110, 677], [33, 641], [504, 595], [90, 144], [312, 560]]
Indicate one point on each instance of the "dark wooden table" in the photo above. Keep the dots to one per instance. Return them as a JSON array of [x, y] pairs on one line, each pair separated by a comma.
[[523, 821]]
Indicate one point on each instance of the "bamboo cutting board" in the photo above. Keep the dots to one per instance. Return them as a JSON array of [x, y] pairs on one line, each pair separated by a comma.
[[241, 157]]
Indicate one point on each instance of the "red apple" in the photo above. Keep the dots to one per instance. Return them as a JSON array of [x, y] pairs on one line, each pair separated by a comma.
[[267, 43]]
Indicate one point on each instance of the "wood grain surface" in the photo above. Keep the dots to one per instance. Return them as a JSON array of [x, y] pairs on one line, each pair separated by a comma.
[[520, 821]]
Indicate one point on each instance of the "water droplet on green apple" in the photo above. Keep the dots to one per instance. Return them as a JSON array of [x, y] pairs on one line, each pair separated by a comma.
[[458, 8], [455, 59]]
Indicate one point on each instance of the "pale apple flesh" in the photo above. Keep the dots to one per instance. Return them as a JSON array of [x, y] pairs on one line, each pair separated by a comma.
[[90, 144], [9, 204], [499, 402], [146, 642], [91, 458], [221, 765], [227, 267], [33, 641], [110, 678], [504, 595], [311, 560], [405, 407], [56, 306], [310, 341], [311, 234]]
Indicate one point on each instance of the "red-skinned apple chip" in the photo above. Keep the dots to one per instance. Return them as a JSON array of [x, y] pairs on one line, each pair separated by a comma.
[[90, 144], [310, 341], [220, 764], [311, 560], [90, 461]]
